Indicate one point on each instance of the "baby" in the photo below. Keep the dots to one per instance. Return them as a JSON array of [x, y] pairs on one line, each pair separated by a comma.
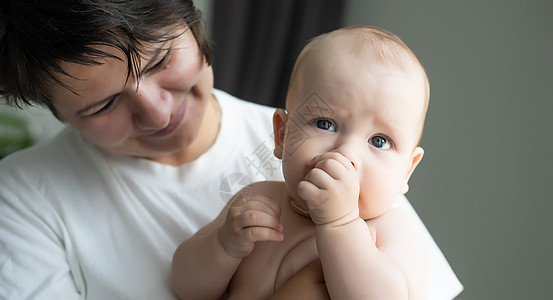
[[348, 141]]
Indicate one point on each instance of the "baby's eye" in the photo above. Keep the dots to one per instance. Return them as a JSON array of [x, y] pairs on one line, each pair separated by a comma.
[[325, 125], [380, 142]]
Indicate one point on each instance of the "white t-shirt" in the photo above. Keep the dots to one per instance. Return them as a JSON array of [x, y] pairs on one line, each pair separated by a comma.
[[77, 222]]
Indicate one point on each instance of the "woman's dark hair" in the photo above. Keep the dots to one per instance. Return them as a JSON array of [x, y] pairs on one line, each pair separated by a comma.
[[35, 36]]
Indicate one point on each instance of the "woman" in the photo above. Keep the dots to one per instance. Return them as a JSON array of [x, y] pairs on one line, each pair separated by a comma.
[[152, 152]]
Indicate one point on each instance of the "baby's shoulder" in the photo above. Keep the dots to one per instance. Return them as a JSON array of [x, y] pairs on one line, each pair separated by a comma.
[[268, 185], [396, 224], [394, 215], [273, 189]]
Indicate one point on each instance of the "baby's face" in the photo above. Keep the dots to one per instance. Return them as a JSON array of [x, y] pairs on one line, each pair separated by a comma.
[[370, 113]]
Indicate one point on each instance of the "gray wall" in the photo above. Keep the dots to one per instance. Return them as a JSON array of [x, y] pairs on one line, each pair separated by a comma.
[[483, 186]]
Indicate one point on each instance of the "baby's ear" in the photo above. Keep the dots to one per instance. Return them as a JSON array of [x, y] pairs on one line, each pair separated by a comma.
[[416, 158], [279, 127]]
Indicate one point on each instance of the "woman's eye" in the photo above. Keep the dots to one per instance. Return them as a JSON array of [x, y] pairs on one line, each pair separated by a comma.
[[106, 106], [380, 142], [160, 64], [325, 125]]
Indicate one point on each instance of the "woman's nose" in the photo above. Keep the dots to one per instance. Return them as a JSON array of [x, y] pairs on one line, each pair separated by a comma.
[[152, 106]]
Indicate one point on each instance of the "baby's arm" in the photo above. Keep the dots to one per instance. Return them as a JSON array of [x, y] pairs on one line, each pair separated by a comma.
[[204, 264], [354, 267], [357, 268]]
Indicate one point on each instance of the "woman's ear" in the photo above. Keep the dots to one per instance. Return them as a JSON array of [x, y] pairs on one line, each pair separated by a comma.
[[416, 158], [279, 127]]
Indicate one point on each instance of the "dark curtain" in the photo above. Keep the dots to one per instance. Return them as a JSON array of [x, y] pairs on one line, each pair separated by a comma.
[[256, 43]]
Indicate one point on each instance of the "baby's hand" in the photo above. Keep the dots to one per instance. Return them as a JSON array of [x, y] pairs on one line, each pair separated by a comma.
[[249, 221], [331, 190]]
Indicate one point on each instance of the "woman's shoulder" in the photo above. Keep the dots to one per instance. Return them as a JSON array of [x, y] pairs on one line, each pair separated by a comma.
[[232, 102], [48, 158], [42, 151], [244, 124]]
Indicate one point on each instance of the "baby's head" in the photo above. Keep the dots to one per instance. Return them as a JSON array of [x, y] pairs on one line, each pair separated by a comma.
[[359, 91], [375, 45]]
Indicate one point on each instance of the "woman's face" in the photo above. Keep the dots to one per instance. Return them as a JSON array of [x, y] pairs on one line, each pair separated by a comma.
[[161, 115]]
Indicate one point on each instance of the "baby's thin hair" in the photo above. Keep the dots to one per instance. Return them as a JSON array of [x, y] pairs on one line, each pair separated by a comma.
[[386, 47]]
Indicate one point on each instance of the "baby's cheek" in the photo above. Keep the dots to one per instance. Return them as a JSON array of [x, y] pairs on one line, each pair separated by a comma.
[[374, 203]]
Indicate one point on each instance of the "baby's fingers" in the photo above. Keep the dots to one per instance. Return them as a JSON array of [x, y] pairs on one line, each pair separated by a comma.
[[245, 226], [258, 202], [336, 156], [256, 218], [308, 191], [257, 234]]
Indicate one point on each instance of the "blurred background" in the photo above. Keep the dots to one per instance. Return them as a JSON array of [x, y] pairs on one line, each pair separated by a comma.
[[482, 188]]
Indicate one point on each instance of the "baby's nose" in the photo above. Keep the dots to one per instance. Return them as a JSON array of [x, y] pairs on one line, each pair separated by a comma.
[[349, 151]]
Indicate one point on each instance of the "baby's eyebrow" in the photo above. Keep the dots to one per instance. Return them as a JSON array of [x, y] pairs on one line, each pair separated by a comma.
[[316, 111], [309, 113]]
